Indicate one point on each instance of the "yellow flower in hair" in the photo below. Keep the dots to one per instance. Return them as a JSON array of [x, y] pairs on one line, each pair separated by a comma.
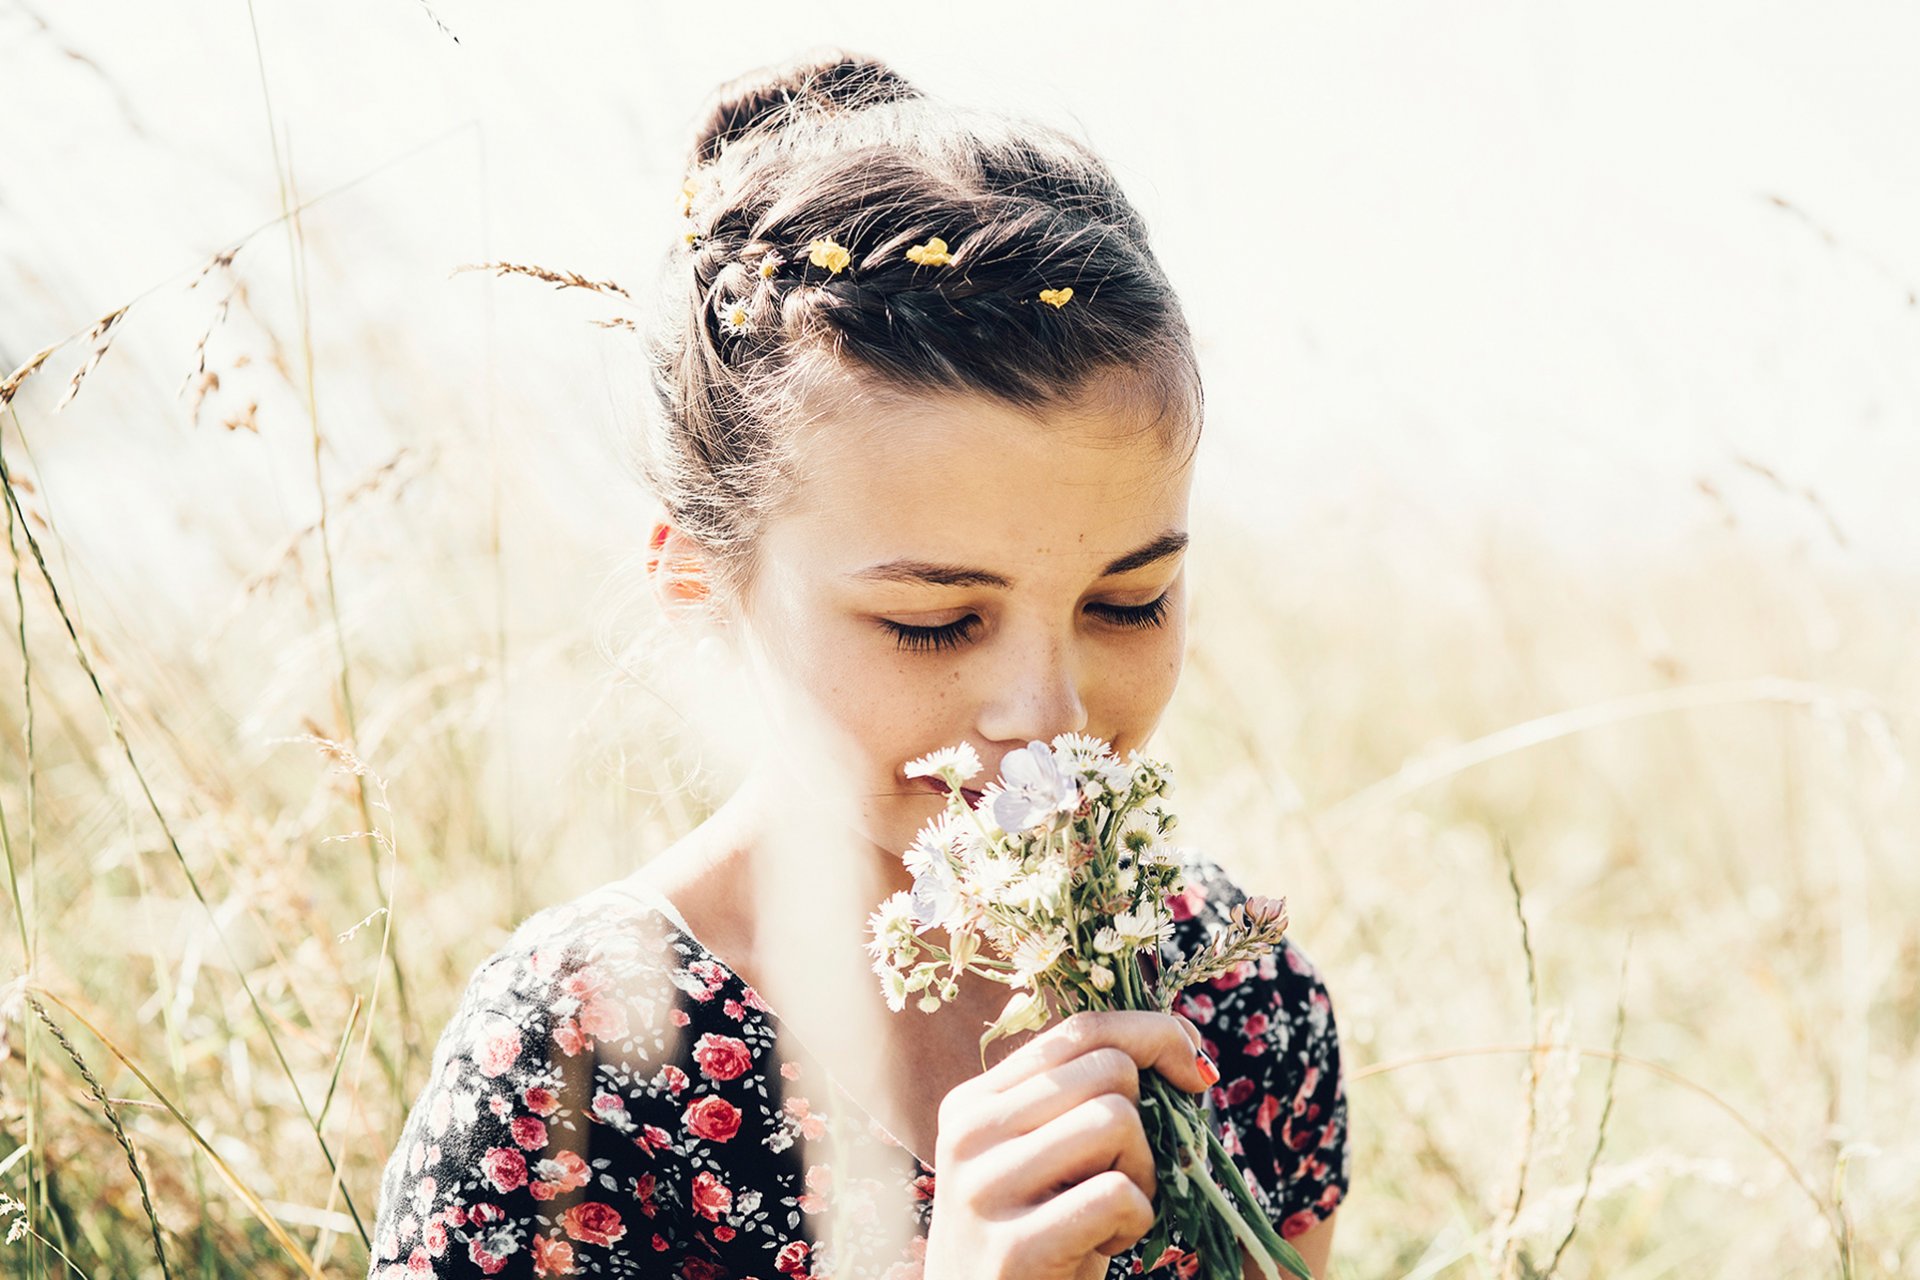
[[692, 238], [1056, 297], [825, 253], [688, 190], [931, 254]]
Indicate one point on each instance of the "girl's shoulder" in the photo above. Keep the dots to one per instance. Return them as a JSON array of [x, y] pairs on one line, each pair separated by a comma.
[[1280, 1104], [1205, 909], [555, 1079]]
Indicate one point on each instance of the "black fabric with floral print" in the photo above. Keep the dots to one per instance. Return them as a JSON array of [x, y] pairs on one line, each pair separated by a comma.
[[610, 1099]]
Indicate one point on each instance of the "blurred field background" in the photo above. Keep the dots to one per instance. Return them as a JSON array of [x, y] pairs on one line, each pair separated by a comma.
[[1556, 565]]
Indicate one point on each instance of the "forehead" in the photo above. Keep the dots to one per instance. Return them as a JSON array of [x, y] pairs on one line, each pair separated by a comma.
[[973, 481]]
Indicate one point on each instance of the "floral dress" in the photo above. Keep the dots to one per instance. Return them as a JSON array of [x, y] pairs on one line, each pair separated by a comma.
[[609, 1099]]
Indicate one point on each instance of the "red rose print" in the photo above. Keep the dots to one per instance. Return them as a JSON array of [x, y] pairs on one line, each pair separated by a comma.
[[540, 1101], [680, 1018], [585, 982], [701, 1269], [1187, 903], [714, 1119], [711, 1197], [569, 1037], [593, 1222], [499, 1053], [1238, 1091], [670, 1078], [604, 1019], [529, 1132], [1197, 1005], [505, 1168], [723, 1233], [562, 1171], [722, 1057], [488, 1263], [1298, 1222], [1269, 1108], [552, 1257], [792, 1259]]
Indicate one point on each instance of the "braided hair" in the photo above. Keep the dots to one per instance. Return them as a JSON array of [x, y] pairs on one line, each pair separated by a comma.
[[839, 149]]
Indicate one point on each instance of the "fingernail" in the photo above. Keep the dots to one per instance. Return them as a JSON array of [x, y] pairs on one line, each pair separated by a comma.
[[659, 538], [1209, 1071]]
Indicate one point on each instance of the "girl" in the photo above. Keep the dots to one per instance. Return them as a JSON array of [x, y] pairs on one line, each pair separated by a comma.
[[927, 416]]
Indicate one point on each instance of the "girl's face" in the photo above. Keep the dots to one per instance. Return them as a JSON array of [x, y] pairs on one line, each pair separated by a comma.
[[950, 570]]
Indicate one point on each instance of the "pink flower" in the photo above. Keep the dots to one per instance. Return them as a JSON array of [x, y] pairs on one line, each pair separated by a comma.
[[505, 1168], [552, 1257], [1187, 903], [790, 1070], [569, 1037], [564, 1170], [528, 1132], [540, 1100], [480, 1258], [593, 1222], [1298, 1222], [714, 1119], [1197, 1005], [1269, 1108], [499, 1053], [671, 1078], [711, 1197], [604, 1019], [792, 1258], [722, 1057]]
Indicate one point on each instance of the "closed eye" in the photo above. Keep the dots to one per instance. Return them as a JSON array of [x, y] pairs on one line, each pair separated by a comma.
[[954, 634]]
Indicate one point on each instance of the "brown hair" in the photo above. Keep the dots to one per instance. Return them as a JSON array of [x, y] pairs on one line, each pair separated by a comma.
[[835, 146]]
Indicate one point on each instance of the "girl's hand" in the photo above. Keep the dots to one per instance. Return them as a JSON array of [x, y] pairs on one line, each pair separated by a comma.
[[1041, 1165]]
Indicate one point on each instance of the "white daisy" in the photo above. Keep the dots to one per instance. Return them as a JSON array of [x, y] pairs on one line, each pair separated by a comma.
[[962, 760]]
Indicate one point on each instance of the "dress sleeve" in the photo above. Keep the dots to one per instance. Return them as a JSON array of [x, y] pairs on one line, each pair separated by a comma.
[[1280, 1104], [540, 1142]]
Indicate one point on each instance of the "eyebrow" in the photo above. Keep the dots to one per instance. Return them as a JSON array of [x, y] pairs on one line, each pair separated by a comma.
[[946, 575]]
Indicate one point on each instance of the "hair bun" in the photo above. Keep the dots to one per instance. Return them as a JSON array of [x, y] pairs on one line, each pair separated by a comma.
[[765, 99]]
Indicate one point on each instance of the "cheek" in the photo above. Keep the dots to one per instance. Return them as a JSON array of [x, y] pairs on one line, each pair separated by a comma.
[[883, 707]]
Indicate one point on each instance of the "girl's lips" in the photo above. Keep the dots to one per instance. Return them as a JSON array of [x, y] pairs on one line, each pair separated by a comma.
[[939, 788]]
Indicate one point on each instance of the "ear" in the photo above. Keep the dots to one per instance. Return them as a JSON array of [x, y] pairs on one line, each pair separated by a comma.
[[679, 571]]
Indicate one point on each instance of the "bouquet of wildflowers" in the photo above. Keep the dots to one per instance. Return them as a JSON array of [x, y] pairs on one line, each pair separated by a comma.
[[1055, 884]]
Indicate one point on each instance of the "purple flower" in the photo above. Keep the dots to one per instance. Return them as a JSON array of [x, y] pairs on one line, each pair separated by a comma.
[[1034, 789]]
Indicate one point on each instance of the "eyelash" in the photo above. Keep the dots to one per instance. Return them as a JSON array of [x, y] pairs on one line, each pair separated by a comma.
[[955, 634]]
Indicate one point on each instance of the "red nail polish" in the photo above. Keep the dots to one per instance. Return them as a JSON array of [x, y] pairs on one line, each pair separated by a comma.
[[659, 538], [1210, 1072]]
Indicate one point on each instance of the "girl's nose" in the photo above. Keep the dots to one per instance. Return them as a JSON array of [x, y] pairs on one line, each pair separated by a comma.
[[1036, 692]]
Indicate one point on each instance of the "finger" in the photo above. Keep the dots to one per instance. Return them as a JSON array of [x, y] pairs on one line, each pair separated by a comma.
[[1151, 1039], [1100, 1134], [1106, 1214], [1039, 1098]]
